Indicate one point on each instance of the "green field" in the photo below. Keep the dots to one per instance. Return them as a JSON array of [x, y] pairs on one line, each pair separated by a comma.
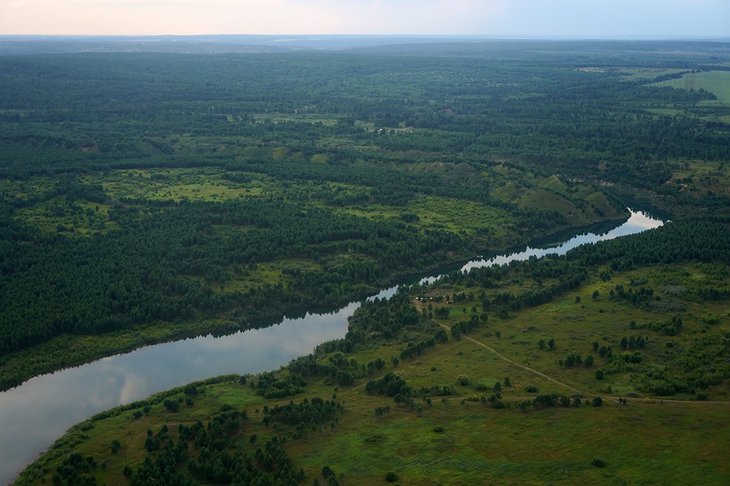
[[638, 442], [716, 82], [700, 177]]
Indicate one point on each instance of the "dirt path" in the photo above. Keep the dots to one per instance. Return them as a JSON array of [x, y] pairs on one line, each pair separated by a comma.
[[571, 388], [578, 391], [524, 367]]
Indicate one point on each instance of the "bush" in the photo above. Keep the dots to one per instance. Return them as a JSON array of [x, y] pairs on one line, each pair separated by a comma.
[[172, 405], [597, 401], [598, 462], [391, 477], [116, 445]]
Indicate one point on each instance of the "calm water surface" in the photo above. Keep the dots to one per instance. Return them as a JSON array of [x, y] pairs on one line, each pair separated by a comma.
[[40, 410]]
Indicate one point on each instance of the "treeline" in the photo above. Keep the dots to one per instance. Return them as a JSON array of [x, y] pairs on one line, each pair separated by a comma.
[[565, 276], [706, 240], [677, 241]]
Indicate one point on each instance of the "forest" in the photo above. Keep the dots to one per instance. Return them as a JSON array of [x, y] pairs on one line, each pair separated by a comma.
[[148, 196], [190, 193]]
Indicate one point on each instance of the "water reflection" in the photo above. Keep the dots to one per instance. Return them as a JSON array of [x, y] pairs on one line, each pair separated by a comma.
[[637, 223], [41, 409]]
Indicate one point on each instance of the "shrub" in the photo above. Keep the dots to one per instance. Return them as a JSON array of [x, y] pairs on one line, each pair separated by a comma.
[[391, 477], [172, 405]]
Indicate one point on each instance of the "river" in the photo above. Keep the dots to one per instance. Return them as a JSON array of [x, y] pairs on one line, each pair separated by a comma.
[[40, 410]]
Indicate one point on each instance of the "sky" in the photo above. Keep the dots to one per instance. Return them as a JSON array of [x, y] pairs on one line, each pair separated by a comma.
[[561, 18]]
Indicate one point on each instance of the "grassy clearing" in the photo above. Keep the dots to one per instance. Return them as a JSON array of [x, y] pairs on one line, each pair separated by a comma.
[[77, 218], [575, 326], [642, 74], [700, 177], [554, 194], [270, 273], [481, 446], [177, 185], [716, 82], [460, 216], [464, 217]]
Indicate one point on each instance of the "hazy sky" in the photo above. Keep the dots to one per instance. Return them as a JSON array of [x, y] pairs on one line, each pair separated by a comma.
[[588, 18]]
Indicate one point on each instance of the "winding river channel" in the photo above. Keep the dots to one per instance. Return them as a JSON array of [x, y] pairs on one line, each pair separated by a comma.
[[40, 410]]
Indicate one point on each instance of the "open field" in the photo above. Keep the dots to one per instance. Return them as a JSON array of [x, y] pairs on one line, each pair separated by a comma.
[[639, 442], [641, 74], [716, 82], [576, 321], [698, 178]]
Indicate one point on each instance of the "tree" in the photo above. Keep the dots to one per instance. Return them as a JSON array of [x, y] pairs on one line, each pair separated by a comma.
[[551, 344], [391, 477]]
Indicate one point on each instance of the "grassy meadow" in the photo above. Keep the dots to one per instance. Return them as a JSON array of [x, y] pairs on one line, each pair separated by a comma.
[[716, 82]]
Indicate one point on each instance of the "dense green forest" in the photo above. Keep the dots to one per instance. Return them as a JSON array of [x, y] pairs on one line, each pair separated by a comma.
[[148, 196]]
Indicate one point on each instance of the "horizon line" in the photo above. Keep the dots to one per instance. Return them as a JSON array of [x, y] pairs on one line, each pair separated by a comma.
[[378, 35]]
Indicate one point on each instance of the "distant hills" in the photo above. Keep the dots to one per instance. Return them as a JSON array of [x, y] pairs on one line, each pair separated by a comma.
[[10, 45], [202, 44]]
